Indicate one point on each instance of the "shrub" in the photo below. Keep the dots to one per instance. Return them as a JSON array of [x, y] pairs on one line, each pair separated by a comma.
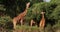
[[5, 22]]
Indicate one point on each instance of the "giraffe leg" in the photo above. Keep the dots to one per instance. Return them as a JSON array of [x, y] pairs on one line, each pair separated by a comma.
[[14, 24], [31, 23], [21, 22]]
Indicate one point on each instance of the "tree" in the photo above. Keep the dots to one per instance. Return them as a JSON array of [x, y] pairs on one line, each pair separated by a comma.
[[51, 10]]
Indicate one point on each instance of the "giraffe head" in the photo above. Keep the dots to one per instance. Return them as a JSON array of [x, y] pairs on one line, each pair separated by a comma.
[[42, 12], [27, 5]]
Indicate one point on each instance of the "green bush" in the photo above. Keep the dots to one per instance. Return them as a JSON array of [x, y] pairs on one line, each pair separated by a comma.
[[5, 22]]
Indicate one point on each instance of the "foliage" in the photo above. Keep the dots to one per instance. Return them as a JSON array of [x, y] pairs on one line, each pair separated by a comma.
[[5, 22], [13, 7]]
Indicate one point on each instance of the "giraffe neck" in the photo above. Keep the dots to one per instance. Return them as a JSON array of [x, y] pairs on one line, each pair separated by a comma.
[[42, 15], [21, 15], [25, 10]]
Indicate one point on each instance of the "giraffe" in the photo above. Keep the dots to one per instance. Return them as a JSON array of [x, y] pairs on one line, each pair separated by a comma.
[[20, 16], [42, 22], [32, 22]]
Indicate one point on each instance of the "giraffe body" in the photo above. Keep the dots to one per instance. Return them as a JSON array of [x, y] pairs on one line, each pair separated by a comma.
[[32, 22], [20, 17], [42, 22]]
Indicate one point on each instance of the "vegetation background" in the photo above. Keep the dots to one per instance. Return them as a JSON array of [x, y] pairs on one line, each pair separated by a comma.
[[11, 8]]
